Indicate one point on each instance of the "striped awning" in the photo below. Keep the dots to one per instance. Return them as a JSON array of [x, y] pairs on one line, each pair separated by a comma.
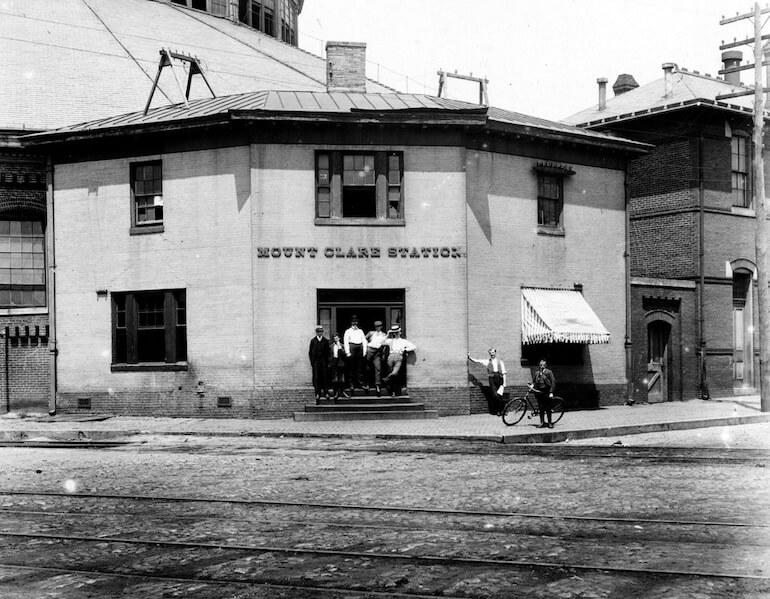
[[559, 316]]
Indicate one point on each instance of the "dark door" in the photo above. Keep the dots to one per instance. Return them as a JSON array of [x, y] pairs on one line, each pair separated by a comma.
[[658, 335]]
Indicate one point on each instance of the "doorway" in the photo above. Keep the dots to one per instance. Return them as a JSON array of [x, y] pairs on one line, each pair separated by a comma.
[[336, 307], [658, 358]]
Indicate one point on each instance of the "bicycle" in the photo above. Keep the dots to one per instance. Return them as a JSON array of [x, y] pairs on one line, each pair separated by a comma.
[[516, 408]]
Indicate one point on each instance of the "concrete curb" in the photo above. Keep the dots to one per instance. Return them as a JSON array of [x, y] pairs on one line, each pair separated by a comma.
[[552, 436]]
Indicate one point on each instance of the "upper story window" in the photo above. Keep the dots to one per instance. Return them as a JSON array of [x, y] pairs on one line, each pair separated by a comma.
[[219, 7], [550, 200], [147, 196], [149, 328], [740, 171], [287, 22], [359, 187], [22, 264], [268, 17], [550, 196]]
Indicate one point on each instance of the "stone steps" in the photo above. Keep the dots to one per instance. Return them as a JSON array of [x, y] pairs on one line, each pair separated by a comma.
[[366, 407]]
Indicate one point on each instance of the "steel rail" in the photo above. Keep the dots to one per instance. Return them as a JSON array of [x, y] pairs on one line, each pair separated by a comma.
[[488, 447], [217, 581], [309, 523], [399, 557], [382, 508]]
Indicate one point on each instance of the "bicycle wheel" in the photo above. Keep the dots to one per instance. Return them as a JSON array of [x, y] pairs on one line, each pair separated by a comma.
[[514, 411], [557, 409]]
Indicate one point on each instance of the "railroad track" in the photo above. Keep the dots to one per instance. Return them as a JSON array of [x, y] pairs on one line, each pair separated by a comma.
[[369, 507], [230, 446], [271, 590], [379, 538]]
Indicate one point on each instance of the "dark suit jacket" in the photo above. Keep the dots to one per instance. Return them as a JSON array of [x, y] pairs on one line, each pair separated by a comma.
[[319, 350]]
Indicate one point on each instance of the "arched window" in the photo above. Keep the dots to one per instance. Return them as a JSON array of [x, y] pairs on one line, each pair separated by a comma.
[[743, 329]]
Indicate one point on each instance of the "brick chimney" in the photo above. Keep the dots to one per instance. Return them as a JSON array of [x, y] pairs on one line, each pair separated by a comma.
[[602, 81], [624, 83], [730, 59], [346, 66]]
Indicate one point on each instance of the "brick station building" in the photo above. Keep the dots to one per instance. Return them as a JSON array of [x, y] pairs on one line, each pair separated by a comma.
[[692, 223], [197, 247]]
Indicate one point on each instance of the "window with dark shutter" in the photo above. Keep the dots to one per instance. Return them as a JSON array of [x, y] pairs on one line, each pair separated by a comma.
[[364, 188], [149, 330]]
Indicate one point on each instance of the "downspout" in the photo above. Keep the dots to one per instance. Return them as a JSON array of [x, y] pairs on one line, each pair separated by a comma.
[[7, 371], [51, 262], [630, 374], [703, 383]]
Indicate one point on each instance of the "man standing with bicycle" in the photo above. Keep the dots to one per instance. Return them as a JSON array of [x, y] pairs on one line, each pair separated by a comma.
[[543, 385]]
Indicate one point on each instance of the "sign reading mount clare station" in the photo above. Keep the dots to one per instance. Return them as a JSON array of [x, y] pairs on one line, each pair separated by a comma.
[[361, 252]]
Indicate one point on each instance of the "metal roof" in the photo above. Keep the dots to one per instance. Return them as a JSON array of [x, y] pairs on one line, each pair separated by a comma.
[[687, 88], [324, 105]]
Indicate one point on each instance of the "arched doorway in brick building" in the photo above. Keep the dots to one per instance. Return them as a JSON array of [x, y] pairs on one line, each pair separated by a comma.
[[664, 360], [658, 360]]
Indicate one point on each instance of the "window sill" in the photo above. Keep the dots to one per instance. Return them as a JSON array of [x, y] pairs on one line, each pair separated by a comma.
[[146, 229], [149, 367], [550, 231], [22, 310], [360, 222], [742, 211]]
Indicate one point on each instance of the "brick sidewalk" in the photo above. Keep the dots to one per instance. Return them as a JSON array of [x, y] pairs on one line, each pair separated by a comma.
[[613, 420]]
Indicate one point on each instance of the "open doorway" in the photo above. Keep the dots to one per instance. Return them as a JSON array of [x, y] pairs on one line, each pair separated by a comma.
[[336, 307]]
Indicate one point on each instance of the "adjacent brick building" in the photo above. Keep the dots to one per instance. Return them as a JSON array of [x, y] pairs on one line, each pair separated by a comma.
[[691, 224]]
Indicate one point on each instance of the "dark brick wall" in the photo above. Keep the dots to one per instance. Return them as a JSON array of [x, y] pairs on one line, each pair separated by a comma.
[[26, 363], [22, 193], [272, 403], [681, 303], [22, 182], [667, 169], [665, 246]]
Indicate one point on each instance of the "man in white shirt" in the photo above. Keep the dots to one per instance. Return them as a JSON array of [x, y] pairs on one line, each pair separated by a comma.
[[496, 374], [355, 344], [398, 347], [375, 352]]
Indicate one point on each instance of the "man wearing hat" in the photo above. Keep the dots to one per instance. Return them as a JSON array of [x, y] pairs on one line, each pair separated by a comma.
[[398, 347], [319, 353], [375, 353]]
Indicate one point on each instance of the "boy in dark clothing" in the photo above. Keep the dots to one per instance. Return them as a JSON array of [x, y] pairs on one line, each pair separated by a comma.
[[543, 385]]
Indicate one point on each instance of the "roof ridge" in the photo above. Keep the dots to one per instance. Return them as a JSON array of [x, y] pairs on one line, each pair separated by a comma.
[[707, 76]]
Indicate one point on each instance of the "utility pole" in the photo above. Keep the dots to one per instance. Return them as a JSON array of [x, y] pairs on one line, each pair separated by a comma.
[[760, 239]]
